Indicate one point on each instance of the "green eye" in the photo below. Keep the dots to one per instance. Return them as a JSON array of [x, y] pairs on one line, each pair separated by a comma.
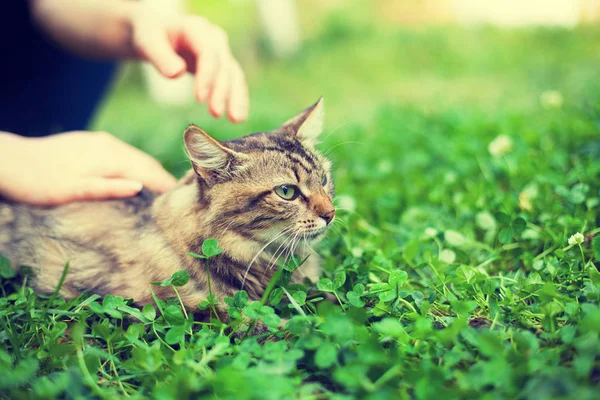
[[325, 180], [287, 192]]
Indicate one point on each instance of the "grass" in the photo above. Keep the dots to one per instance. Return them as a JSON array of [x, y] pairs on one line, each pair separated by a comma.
[[452, 263]]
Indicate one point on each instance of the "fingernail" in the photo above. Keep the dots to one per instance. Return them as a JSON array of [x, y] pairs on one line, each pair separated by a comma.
[[236, 118], [136, 186], [217, 112]]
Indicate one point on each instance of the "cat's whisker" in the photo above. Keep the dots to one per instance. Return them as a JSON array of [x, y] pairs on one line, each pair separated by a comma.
[[288, 240], [309, 245], [269, 265], [340, 223], [301, 241], [335, 228], [294, 245], [287, 248], [227, 228], [283, 232], [338, 233], [335, 129], [305, 244], [277, 236], [291, 246], [348, 210], [183, 161], [328, 151]]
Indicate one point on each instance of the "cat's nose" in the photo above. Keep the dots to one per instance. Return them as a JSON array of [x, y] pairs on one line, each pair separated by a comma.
[[328, 216]]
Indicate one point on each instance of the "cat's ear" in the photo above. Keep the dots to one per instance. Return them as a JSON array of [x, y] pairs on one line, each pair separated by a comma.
[[210, 158], [308, 125]]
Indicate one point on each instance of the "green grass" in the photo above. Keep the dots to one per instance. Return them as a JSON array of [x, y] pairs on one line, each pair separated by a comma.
[[452, 265]]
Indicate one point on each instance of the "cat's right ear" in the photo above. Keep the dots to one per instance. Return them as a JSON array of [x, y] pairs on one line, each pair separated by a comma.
[[210, 158]]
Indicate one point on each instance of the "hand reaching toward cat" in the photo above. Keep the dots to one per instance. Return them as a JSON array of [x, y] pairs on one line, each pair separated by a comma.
[[188, 42], [174, 43], [75, 166]]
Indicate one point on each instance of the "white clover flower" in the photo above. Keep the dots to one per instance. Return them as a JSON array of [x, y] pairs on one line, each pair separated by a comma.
[[525, 202], [551, 99], [430, 232], [500, 146], [447, 256], [529, 193], [576, 238]]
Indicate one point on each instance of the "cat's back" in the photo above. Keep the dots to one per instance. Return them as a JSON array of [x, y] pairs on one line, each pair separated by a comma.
[[97, 220], [28, 233], [103, 214], [19, 224]]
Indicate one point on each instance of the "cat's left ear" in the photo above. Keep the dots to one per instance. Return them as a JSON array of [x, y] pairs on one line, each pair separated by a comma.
[[210, 158], [308, 125]]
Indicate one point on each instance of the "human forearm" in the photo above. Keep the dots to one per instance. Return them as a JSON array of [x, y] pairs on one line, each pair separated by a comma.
[[92, 28]]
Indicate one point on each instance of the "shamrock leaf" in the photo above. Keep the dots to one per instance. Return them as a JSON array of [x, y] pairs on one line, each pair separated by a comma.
[[210, 248]]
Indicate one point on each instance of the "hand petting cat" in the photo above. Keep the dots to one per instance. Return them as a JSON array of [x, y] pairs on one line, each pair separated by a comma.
[[75, 166]]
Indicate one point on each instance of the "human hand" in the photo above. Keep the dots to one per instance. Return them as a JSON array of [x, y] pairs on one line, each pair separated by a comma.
[[75, 166], [175, 43]]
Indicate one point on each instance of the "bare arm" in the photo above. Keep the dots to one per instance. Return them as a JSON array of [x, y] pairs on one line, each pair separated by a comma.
[[172, 42], [93, 28]]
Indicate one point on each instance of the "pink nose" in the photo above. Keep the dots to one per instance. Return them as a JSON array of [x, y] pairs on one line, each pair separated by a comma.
[[328, 216]]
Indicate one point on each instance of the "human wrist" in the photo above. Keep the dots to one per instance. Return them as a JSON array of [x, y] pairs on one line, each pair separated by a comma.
[[123, 32], [9, 142], [11, 146]]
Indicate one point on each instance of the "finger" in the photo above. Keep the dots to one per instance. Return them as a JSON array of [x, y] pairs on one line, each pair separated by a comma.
[[154, 46], [153, 176], [130, 163], [220, 91], [207, 65], [237, 107], [138, 166], [94, 188]]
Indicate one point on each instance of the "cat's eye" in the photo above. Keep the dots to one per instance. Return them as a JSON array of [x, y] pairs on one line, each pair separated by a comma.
[[324, 180], [287, 192]]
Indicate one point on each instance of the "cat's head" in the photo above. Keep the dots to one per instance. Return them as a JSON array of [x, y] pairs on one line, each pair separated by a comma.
[[268, 186]]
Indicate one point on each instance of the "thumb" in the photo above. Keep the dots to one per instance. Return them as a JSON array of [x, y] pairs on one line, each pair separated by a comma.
[[154, 46], [94, 188]]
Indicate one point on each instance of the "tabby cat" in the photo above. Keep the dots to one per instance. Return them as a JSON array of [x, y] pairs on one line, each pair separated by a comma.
[[260, 196]]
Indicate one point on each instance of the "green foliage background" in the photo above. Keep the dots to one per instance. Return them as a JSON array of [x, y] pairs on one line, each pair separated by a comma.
[[452, 264]]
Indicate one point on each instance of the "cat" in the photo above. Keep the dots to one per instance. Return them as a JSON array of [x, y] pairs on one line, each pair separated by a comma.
[[259, 196]]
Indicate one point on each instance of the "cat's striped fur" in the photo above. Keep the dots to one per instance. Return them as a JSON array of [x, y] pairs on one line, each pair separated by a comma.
[[120, 246]]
